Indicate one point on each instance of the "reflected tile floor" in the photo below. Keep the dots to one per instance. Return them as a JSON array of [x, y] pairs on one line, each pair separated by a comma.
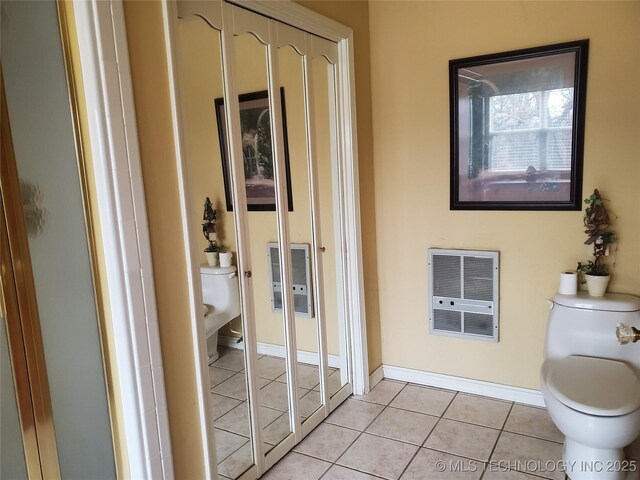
[[230, 410]]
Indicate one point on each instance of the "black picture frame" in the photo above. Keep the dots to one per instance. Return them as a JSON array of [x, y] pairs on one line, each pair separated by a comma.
[[257, 151], [511, 145]]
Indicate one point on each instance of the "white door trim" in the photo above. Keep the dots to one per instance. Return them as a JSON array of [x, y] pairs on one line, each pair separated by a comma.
[[123, 222]]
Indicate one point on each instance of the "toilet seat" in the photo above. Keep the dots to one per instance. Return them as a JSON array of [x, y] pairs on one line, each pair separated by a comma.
[[595, 386]]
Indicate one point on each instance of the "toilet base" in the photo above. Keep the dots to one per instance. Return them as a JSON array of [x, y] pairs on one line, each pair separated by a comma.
[[588, 463], [212, 347]]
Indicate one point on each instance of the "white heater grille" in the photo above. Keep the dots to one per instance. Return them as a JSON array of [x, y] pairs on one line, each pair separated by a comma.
[[463, 293], [301, 269]]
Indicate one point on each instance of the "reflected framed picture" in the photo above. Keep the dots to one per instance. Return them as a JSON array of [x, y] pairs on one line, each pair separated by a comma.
[[517, 128], [257, 151]]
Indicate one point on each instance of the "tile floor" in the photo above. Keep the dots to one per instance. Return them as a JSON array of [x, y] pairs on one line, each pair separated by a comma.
[[397, 431], [409, 432]]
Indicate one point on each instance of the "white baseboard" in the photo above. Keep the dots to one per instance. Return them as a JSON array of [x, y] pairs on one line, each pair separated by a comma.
[[478, 387], [278, 351], [376, 377]]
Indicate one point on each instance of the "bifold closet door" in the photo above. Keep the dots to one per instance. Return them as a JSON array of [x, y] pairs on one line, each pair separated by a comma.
[[207, 163], [289, 144], [259, 165], [324, 131], [275, 180]]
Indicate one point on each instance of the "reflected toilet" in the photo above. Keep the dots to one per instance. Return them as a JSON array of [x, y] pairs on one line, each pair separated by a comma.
[[221, 300]]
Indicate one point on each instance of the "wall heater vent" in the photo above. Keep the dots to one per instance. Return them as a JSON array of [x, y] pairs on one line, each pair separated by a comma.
[[301, 267], [463, 293]]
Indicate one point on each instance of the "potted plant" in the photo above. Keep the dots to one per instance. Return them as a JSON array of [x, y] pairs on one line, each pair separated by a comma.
[[209, 231], [597, 224]]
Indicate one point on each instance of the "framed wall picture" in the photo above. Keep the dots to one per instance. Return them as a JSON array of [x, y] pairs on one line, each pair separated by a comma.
[[517, 128], [257, 151]]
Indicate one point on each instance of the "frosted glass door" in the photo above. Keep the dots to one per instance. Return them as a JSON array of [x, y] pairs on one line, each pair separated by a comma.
[[12, 459], [44, 145]]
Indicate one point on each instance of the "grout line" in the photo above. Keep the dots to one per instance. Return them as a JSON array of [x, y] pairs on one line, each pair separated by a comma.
[[384, 407], [248, 441], [533, 436], [427, 437], [506, 419]]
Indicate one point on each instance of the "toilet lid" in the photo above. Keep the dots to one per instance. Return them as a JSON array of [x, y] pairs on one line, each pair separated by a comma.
[[596, 386]]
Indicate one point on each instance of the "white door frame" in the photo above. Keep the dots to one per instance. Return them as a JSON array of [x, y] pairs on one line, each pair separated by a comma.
[[123, 222]]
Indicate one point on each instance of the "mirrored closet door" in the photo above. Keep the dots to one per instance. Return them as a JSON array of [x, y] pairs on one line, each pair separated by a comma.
[[259, 137]]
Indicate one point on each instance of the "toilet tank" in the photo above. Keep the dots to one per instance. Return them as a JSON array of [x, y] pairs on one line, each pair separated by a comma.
[[220, 289], [584, 325]]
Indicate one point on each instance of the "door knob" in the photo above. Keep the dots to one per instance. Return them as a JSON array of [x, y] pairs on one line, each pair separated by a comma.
[[247, 274]]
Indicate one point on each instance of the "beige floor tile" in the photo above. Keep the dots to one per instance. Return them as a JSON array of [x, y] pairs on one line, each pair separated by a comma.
[[463, 439], [533, 421], [378, 456], [337, 472], [297, 467], [275, 395], [355, 414], [327, 442], [521, 451], [234, 387], [423, 400], [308, 376], [432, 465], [237, 420], [309, 403], [403, 425], [237, 463], [383, 392], [227, 443], [335, 383], [230, 358], [221, 405], [479, 410], [277, 431], [496, 473], [219, 375], [271, 367]]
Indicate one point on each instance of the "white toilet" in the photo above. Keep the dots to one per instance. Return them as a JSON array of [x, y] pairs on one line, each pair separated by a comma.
[[221, 302], [591, 383]]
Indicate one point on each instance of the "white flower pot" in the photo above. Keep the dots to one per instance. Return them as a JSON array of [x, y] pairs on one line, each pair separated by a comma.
[[225, 259], [212, 258], [597, 285]]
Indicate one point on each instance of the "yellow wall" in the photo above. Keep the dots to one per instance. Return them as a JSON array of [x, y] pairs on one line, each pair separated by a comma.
[[411, 44], [145, 36]]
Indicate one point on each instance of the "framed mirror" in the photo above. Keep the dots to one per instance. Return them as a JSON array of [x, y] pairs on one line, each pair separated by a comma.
[[517, 128]]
